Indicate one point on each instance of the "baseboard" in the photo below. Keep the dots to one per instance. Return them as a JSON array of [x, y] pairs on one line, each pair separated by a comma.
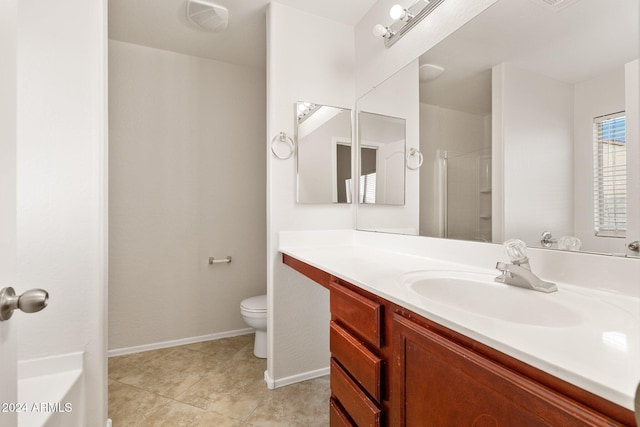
[[272, 384], [174, 343]]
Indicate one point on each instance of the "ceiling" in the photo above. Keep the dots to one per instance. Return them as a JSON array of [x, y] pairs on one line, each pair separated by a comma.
[[162, 24]]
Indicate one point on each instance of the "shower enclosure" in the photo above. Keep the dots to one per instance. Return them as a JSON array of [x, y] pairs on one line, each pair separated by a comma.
[[464, 194]]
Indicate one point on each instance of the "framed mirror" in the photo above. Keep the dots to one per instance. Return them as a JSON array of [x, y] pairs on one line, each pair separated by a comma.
[[381, 145], [528, 122], [323, 154]]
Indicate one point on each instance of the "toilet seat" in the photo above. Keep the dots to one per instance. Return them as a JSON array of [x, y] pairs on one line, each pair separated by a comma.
[[257, 304]]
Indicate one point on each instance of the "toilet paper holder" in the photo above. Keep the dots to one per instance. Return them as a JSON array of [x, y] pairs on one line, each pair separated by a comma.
[[226, 260]]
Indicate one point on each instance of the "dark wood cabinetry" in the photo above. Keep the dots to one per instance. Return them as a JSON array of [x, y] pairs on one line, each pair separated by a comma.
[[441, 383], [391, 367], [356, 339]]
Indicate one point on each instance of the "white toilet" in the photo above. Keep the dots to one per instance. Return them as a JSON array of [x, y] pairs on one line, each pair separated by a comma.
[[254, 313]]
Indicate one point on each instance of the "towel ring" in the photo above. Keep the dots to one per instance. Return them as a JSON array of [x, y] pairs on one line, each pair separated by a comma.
[[414, 153], [280, 139]]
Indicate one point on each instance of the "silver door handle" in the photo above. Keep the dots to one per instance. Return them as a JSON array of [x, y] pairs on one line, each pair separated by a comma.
[[30, 302], [634, 246]]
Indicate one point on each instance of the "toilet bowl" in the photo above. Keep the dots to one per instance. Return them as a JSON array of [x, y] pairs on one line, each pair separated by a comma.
[[254, 313]]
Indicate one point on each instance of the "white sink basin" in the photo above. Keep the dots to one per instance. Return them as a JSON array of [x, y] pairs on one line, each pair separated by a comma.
[[479, 294]]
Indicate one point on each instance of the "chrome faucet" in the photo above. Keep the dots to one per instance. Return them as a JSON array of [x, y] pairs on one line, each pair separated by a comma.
[[519, 272]]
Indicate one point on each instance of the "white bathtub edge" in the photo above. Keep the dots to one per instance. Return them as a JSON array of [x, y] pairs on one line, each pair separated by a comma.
[[50, 391], [52, 364]]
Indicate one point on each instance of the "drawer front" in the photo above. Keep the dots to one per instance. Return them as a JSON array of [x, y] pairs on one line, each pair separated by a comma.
[[359, 314], [337, 417], [362, 364], [362, 410]]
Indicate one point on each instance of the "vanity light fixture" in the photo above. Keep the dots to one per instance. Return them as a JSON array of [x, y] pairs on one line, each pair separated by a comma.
[[404, 20], [305, 109], [399, 13], [380, 30]]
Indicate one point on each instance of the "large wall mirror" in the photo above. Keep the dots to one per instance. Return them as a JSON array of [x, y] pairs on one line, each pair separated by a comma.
[[528, 122], [323, 136]]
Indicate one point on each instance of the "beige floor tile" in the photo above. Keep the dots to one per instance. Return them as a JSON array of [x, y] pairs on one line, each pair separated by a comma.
[[130, 406], [168, 372], [215, 383], [231, 389], [304, 404], [179, 414], [121, 366], [163, 381]]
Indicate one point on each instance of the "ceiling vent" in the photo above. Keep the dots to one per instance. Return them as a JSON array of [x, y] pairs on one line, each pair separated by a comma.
[[555, 4], [208, 16]]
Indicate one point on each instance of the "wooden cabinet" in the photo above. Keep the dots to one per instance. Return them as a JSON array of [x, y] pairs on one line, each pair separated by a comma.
[[441, 383], [391, 367], [356, 338]]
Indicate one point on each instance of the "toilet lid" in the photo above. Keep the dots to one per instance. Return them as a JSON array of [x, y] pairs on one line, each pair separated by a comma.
[[255, 304]]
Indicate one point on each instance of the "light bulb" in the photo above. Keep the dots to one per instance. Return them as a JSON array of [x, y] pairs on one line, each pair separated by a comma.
[[397, 12], [380, 30]]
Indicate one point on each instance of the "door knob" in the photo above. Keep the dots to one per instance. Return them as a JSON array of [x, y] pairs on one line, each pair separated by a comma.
[[634, 246], [30, 302]]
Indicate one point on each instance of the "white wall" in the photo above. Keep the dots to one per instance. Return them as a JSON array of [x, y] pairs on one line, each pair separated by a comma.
[[186, 182], [602, 95], [61, 127], [535, 142], [375, 62], [308, 58], [399, 96]]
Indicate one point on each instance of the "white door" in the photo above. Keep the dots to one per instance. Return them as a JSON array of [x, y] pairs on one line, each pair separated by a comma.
[[8, 365], [390, 173], [53, 115]]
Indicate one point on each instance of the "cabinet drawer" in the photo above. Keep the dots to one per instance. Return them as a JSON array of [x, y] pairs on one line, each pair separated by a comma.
[[359, 314], [337, 417], [364, 366], [362, 410]]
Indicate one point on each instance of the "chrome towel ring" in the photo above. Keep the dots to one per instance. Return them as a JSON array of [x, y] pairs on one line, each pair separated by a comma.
[[282, 146], [414, 159]]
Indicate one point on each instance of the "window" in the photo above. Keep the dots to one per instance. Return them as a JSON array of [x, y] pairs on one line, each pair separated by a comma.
[[610, 175], [368, 188]]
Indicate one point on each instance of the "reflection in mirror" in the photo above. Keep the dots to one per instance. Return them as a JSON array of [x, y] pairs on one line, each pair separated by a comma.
[[382, 153], [323, 153], [529, 124]]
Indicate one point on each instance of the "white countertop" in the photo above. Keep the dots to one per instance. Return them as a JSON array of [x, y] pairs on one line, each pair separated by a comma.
[[597, 348]]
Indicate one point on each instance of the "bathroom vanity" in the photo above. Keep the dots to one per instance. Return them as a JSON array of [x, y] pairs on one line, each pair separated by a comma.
[[398, 359]]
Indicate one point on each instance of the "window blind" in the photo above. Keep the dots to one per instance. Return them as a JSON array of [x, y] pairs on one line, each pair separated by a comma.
[[610, 175], [368, 188]]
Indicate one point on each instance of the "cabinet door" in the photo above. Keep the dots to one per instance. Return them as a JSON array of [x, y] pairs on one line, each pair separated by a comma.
[[437, 382]]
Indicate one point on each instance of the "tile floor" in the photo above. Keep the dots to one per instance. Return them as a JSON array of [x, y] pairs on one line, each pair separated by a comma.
[[215, 383]]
